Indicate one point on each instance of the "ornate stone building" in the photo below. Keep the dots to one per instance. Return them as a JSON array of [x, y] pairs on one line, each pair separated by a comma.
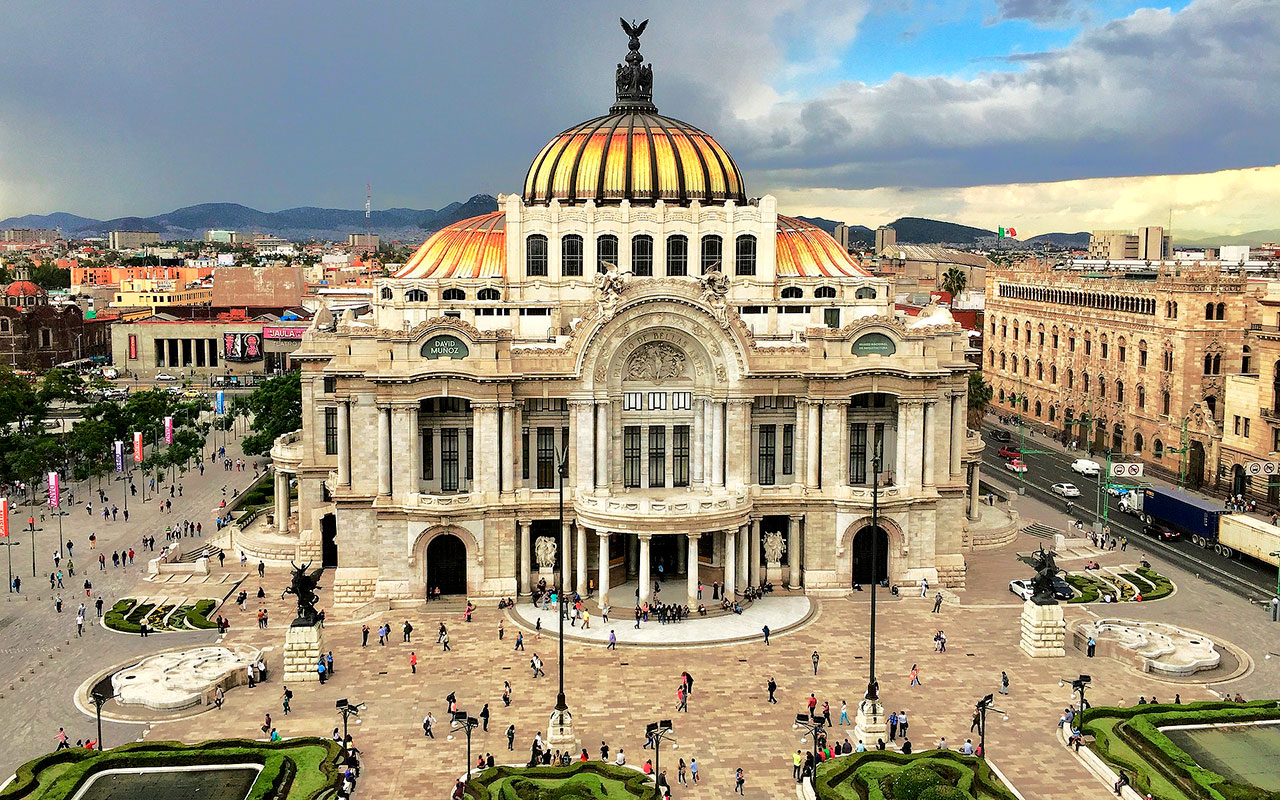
[[719, 378], [1134, 361]]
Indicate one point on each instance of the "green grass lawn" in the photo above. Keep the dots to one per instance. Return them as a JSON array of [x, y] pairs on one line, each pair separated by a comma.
[[1121, 756], [875, 775], [590, 779]]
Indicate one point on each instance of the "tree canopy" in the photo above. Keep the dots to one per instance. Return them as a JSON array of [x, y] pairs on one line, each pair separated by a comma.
[[275, 407]]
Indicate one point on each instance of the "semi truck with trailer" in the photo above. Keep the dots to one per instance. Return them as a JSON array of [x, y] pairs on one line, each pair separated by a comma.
[[1241, 534], [1186, 512]]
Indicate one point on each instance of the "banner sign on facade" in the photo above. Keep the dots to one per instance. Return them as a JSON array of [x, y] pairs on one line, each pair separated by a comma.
[[55, 491], [220, 404], [874, 344], [168, 430], [444, 347], [282, 332], [133, 347], [137, 447], [242, 346], [119, 449]]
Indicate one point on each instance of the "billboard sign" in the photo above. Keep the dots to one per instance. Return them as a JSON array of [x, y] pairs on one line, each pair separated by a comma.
[[242, 346]]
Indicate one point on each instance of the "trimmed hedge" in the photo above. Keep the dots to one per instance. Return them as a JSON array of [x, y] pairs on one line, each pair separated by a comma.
[[1088, 588], [198, 617], [1161, 586], [1138, 727], [868, 775], [297, 769], [583, 779]]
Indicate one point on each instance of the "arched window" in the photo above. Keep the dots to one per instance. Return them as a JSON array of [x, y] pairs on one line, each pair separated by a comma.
[[866, 293], [1102, 387], [1120, 349], [386, 293], [991, 356], [1037, 409], [1217, 364], [1053, 373], [1002, 395], [606, 251], [1071, 379], [1026, 368], [1212, 402], [744, 256], [1053, 412], [415, 296], [792, 292], [677, 255], [1119, 391], [1137, 442], [642, 255], [488, 294], [1004, 364], [453, 294], [1222, 310], [1157, 449], [1142, 397], [1103, 344], [1246, 361], [535, 256], [1085, 376], [571, 255], [1039, 373], [1142, 353], [4, 325], [1164, 403], [828, 292], [1208, 364], [1208, 310], [712, 253]]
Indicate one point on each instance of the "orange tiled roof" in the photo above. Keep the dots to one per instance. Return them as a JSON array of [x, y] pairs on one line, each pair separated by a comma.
[[472, 248], [807, 251]]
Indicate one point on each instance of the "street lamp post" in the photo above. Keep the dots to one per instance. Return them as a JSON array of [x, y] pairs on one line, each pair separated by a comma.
[[984, 705], [655, 733], [870, 717], [813, 728], [31, 522], [7, 545], [467, 724], [99, 700], [560, 729], [348, 710], [1078, 685]]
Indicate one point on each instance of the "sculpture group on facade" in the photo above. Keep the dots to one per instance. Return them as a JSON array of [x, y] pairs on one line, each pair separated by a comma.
[[303, 585], [1046, 572], [544, 552], [610, 285]]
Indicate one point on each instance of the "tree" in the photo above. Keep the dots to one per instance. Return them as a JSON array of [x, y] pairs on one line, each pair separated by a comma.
[[953, 281], [980, 393], [276, 409], [51, 276]]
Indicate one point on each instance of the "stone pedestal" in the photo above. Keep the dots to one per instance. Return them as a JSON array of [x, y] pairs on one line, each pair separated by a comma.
[[773, 572], [560, 735], [302, 647], [1043, 631], [870, 723]]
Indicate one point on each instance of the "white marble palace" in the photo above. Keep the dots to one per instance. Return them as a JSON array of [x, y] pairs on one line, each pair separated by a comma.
[[726, 382]]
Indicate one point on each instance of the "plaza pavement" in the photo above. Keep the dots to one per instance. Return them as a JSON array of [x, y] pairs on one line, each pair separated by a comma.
[[613, 694], [42, 661]]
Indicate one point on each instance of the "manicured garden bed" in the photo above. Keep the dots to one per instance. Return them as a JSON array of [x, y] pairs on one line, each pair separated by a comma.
[[588, 779], [1090, 589], [126, 616], [1129, 739], [298, 769], [887, 775]]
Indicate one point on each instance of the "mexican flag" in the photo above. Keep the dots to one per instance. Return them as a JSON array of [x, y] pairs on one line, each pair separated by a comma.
[[1007, 233]]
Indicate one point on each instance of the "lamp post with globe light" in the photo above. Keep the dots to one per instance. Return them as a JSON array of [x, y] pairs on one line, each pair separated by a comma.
[[560, 729]]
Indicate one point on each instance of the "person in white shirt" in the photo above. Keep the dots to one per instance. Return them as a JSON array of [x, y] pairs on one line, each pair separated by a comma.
[[621, 760], [967, 747]]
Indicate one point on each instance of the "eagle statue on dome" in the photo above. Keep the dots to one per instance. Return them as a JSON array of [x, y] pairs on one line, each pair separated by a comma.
[[635, 78]]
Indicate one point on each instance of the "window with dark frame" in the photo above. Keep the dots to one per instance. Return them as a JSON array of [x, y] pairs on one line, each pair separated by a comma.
[[571, 255], [448, 459], [471, 453], [546, 457], [788, 449], [428, 454], [858, 453], [680, 455], [768, 454], [657, 456], [535, 259], [606, 251], [677, 255], [712, 253], [331, 431], [744, 261], [642, 255], [631, 456], [524, 454]]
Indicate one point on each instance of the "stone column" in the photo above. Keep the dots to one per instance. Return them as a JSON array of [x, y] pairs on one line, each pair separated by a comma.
[[717, 443], [800, 440], [957, 433], [485, 420], [384, 450], [282, 501], [730, 563], [743, 533], [602, 444], [974, 475], [646, 583], [835, 452], [566, 557], [602, 566], [344, 443], [508, 453], [582, 560], [914, 444], [414, 471], [526, 556], [793, 552], [696, 447], [753, 553], [812, 429], [691, 570], [681, 561], [929, 412], [584, 431], [900, 446], [738, 441]]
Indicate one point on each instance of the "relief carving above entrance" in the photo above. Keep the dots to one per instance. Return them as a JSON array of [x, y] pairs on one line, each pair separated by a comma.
[[656, 362]]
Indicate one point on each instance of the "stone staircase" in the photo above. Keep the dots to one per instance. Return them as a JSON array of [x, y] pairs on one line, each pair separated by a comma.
[[260, 544], [1041, 530]]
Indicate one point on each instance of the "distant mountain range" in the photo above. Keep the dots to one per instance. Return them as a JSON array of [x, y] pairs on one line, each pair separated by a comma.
[[911, 230], [292, 223], [1079, 240]]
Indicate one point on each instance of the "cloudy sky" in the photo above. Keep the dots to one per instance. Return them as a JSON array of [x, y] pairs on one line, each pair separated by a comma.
[[1040, 114]]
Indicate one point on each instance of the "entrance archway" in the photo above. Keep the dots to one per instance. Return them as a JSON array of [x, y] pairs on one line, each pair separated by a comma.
[[1239, 482], [328, 541], [861, 549], [447, 564], [1195, 464]]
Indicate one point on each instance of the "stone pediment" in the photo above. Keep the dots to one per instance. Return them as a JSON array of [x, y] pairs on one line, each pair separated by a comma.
[[421, 330]]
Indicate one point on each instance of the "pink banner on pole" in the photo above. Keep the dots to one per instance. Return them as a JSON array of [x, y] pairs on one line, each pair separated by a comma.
[[168, 430], [55, 491], [137, 447], [4, 512]]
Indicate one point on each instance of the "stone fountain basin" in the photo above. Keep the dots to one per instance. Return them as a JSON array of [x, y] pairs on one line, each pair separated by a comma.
[[1157, 646], [185, 678]]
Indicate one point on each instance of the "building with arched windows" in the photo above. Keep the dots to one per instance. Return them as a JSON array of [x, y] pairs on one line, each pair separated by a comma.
[[725, 384]]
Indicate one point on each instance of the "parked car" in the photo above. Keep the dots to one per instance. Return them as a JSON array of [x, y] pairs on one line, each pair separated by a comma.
[[1162, 532], [1021, 589], [1065, 490], [1086, 467], [1016, 465], [164, 376], [1061, 589], [1009, 451], [1002, 436]]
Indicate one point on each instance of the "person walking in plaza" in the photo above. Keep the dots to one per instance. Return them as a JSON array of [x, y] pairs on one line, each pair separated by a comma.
[[511, 737], [739, 782], [506, 694], [519, 640], [364, 635], [484, 717], [1091, 647], [813, 706], [408, 631], [682, 699], [826, 713], [1004, 682], [844, 713], [937, 603], [445, 642], [328, 663], [682, 773], [902, 723], [285, 698], [321, 670], [893, 726], [765, 631], [413, 663], [693, 769], [428, 725], [772, 686], [814, 657], [613, 640], [915, 675]]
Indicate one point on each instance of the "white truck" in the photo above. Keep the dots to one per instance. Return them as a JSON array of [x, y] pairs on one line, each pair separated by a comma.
[[1241, 534]]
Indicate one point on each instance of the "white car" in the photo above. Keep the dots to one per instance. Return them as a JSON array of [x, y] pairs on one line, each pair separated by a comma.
[[1065, 490], [1086, 467], [164, 376], [1016, 465], [1116, 491], [1021, 589]]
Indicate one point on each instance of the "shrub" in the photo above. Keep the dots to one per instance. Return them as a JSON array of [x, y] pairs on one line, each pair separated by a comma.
[[911, 782], [198, 617], [944, 792], [1087, 587]]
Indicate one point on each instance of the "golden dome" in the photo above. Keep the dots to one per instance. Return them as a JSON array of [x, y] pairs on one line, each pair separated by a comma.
[[634, 155], [806, 251], [471, 248]]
